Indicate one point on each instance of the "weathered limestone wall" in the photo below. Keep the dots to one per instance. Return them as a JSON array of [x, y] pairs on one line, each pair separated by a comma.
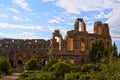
[[74, 47], [77, 43]]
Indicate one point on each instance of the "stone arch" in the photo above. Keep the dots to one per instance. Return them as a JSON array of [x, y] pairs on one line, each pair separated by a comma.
[[56, 41], [44, 62], [91, 43], [19, 62], [59, 59], [79, 22], [82, 61], [11, 62], [82, 45], [70, 44], [34, 51], [59, 40], [71, 61]]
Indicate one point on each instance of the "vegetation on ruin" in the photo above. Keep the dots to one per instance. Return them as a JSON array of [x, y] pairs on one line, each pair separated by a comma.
[[104, 65], [32, 64], [5, 67]]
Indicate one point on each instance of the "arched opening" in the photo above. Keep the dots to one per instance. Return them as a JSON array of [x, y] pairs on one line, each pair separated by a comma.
[[71, 61], [19, 66], [80, 28], [11, 52], [44, 62], [34, 51], [99, 30], [82, 61], [59, 59], [70, 44], [91, 43], [19, 62], [82, 46], [58, 39], [11, 62]]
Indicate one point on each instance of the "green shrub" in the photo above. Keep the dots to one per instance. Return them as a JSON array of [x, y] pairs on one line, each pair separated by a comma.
[[60, 69], [32, 64], [5, 66], [0, 73], [46, 76], [88, 67], [37, 76], [85, 77], [50, 62], [72, 76], [76, 69]]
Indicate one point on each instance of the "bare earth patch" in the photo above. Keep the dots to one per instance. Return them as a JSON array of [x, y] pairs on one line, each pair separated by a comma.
[[13, 76]]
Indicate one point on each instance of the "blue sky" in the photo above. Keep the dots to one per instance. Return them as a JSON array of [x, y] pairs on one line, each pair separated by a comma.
[[36, 19]]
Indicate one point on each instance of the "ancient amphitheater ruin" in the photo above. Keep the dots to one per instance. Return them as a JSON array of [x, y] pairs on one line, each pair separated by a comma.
[[74, 47]]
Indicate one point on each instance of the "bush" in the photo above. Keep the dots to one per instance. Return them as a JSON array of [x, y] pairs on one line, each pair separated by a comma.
[[32, 64], [76, 69], [49, 64], [85, 77], [37, 76], [0, 73], [60, 68], [72, 76], [88, 67], [5, 66]]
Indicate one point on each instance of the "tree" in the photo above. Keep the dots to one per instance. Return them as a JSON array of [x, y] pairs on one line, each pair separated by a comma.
[[115, 52], [5, 66], [37, 76], [97, 52], [72, 76], [60, 68], [50, 62], [32, 64], [112, 51]]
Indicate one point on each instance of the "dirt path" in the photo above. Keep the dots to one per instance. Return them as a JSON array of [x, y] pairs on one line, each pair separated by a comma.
[[13, 76]]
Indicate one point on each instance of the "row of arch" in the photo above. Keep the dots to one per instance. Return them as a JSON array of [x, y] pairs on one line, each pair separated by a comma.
[[21, 63], [81, 45], [70, 44], [72, 61]]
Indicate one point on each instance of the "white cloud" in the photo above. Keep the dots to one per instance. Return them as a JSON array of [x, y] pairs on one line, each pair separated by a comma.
[[27, 19], [56, 19], [2, 35], [23, 4], [47, 0], [16, 17], [13, 26], [113, 16], [23, 35], [1, 5], [40, 28], [3, 15], [13, 10], [76, 6], [28, 33], [114, 22], [63, 17], [53, 21]]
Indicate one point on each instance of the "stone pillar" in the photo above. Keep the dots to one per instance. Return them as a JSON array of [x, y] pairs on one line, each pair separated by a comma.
[[76, 25], [83, 27]]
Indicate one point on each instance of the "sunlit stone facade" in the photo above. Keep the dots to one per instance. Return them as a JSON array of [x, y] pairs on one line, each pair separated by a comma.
[[74, 47]]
